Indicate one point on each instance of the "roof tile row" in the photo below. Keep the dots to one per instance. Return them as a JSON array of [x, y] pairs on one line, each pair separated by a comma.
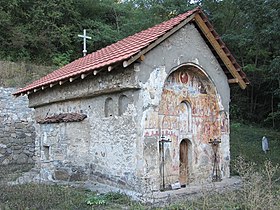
[[109, 55]]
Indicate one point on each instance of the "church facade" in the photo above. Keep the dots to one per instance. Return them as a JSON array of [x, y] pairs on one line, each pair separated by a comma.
[[141, 114]]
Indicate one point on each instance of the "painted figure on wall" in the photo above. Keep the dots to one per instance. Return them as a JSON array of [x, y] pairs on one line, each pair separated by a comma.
[[188, 110]]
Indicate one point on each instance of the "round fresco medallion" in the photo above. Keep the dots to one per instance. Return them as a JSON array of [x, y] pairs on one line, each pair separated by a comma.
[[183, 77]]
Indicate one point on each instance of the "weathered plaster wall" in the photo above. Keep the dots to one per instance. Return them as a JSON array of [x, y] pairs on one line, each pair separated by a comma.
[[188, 111], [113, 148], [92, 86], [17, 133], [184, 47], [103, 147]]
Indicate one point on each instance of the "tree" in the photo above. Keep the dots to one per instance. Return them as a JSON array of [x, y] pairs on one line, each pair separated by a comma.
[[46, 32]]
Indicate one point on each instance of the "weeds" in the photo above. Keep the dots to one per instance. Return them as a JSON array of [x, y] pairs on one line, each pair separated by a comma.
[[34, 196], [96, 200], [259, 191], [12, 171], [259, 173], [104, 199]]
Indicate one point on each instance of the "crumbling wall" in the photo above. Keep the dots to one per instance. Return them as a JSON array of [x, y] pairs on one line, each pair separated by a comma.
[[16, 129], [104, 146]]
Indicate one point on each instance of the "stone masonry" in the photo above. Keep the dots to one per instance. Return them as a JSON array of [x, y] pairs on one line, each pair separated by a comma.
[[16, 129], [182, 97]]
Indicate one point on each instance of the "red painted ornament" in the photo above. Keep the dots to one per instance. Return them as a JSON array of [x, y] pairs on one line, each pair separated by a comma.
[[184, 77]]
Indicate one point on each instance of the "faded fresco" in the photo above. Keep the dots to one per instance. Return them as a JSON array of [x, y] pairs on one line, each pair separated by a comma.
[[188, 110]]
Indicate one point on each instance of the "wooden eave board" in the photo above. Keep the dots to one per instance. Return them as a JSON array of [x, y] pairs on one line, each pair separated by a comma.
[[220, 49]]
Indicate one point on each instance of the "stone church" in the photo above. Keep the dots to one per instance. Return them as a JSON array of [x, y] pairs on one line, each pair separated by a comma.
[[141, 114]]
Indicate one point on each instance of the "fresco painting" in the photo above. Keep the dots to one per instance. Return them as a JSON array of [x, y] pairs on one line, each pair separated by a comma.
[[224, 122], [188, 109], [190, 85], [151, 122]]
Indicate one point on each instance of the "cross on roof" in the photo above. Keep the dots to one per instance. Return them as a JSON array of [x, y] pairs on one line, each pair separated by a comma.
[[85, 37]]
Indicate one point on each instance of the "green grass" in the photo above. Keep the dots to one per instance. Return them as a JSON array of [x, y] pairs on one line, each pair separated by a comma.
[[41, 196], [246, 141], [261, 187], [12, 171]]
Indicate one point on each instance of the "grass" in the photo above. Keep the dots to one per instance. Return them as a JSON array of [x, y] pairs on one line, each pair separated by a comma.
[[12, 171], [246, 142], [258, 171], [29, 72], [259, 191], [34, 196], [42, 196]]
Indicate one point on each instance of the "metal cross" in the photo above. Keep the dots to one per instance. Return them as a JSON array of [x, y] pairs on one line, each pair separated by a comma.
[[162, 142], [85, 37], [216, 174]]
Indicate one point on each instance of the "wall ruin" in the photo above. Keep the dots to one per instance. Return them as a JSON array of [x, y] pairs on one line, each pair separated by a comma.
[[17, 132]]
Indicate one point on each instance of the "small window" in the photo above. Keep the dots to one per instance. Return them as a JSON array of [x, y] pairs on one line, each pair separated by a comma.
[[46, 150], [185, 113], [123, 104], [109, 109]]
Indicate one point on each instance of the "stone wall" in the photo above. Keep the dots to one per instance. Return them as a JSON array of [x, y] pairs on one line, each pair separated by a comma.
[[16, 129], [127, 114]]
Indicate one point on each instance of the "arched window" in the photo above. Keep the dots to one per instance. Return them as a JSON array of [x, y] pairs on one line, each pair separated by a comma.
[[123, 104], [109, 109], [185, 113]]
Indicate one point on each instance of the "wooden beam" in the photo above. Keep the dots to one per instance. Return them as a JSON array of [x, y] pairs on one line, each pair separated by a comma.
[[125, 64], [210, 37], [158, 41], [86, 95], [142, 57], [53, 84], [83, 76], [61, 82], [232, 81], [71, 79], [110, 68]]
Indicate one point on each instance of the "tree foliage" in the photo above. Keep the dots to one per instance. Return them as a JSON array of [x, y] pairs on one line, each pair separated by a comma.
[[45, 32], [252, 30]]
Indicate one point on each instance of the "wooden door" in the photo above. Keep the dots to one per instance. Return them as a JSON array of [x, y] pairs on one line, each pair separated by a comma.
[[183, 176]]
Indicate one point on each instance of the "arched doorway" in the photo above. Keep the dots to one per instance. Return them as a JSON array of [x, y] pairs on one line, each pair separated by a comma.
[[185, 161]]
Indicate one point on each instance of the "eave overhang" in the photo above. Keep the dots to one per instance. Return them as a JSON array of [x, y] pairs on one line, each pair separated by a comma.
[[84, 67]]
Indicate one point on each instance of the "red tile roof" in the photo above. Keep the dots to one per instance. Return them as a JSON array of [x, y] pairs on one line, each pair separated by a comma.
[[110, 55]]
